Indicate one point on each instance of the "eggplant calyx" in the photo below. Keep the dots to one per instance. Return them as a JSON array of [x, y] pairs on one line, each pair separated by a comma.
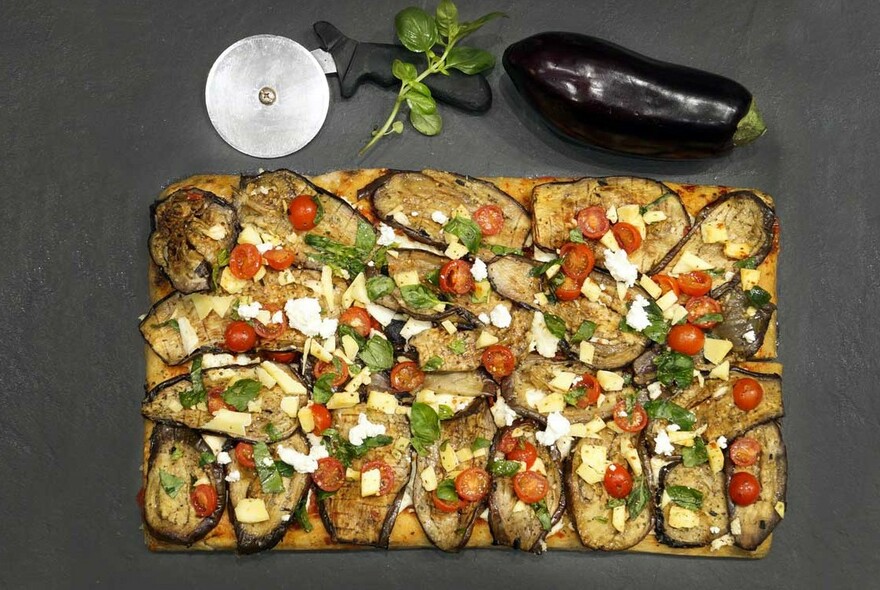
[[750, 127]]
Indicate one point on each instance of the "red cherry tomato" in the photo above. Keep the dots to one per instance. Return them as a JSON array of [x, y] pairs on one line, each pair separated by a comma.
[[744, 451], [279, 357], [444, 505], [686, 339], [592, 389], [322, 368], [507, 442], [406, 376], [490, 218], [244, 454], [330, 475], [618, 481], [523, 451], [240, 336], [321, 417], [216, 402], [630, 422], [279, 258], [593, 222], [270, 331], [498, 360], [245, 261], [747, 394], [744, 488], [302, 211], [627, 236], [568, 290], [698, 307], [530, 486], [667, 284], [578, 260], [358, 319], [386, 475], [204, 499], [473, 484], [695, 283], [456, 278]]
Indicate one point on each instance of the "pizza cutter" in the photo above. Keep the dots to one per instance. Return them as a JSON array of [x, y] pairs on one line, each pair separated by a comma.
[[267, 96]]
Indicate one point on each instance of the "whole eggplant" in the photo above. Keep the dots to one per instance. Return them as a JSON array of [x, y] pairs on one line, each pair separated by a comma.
[[605, 95]]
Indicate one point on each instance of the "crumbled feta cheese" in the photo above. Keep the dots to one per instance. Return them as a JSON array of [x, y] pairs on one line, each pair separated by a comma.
[[223, 458], [750, 336], [620, 267], [673, 428], [478, 270], [439, 217], [721, 442], [188, 336], [263, 248], [720, 542], [557, 427], [637, 317], [301, 462], [533, 396], [234, 476], [304, 315], [662, 444], [714, 530], [278, 317], [285, 517], [484, 317], [249, 311], [386, 235], [655, 390], [502, 413], [500, 316], [544, 342], [414, 213], [413, 327], [364, 429]]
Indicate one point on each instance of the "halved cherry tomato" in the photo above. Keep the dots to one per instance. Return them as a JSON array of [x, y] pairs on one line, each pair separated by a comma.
[[386, 481], [245, 261], [240, 336], [444, 505], [498, 360], [747, 394], [321, 418], [456, 278], [270, 331], [244, 454], [698, 307], [686, 339], [357, 318], [630, 422], [592, 389], [667, 284], [322, 368], [473, 484], [406, 376], [578, 260], [523, 451], [490, 218], [530, 486], [627, 236], [695, 283], [618, 481], [302, 211], [279, 258], [744, 451], [744, 488], [507, 442], [216, 402], [330, 474], [569, 289], [279, 357], [204, 499], [593, 222]]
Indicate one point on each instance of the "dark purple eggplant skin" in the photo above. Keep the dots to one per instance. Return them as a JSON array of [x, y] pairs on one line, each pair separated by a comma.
[[605, 95]]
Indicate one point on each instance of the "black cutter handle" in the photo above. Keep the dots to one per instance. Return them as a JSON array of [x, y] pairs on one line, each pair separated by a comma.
[[357, 62]]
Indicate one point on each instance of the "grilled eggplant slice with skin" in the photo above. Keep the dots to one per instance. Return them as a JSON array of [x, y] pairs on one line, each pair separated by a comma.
[[435, 342], [163, 404], [172, 472], [555, 206], [738, 322], [748, 224], [350, 518], [450, 531], [190, 228], [531, 379], [262, 203], [758, 520], [431, 190], [521, 529], [613, 348], [712, 515], [260, 536], [588, 502], [721, 416]]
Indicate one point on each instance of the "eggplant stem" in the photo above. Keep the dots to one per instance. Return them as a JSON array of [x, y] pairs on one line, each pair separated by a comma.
[[750, 127]]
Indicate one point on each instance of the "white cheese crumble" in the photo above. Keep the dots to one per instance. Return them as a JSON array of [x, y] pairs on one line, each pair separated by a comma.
[[484, 317], [750, 336], [502, 413], [557, 427], [304, 315], [263, 248], [234, 476], [301, 462], [722, 442], [223, 458], [662, 444], [249, 311], [637, 317], [386, 235], [439, 217], [278, 317], [479, 271], [620, 267], [714, 530], [655, 390], [188, 336], [500, 316], [544, 342], [364, 429]]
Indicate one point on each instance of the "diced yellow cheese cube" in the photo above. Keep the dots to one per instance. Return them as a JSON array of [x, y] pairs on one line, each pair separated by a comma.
[[230, 422], [429, 479], [618, 518], [464, 454], [371, 483], [382, 402], [736, 250], [682, 437], [586, 352], [689, 262], [716, 457], [259, 275], [357, 292], [552, 270], [539, 466], [319, 352], [609, 241], [290, 405], [350, 347], [486, 339], [779, 507], [448, 458], [231, 283], [426, 396], [203, 303], [363, 376], [715, 349], [682, 518], [590, 289], [288, 384], [352, 474], [736, 526], [667, 301], [578, 430], [327, 288], [650, 286], [249, 235], [265, 378], [286, 277], [343, 399], [676, 313], [264, 316], [654, 217], [596, 425], [713, 232], [519, 506], [541, 299], [609, 381], [221, 304], [722, 371], [251, 511], [482, 452], [563, 381], [631, 455], [306, 419], [749, 277], [593, 463], [482, 290], [456, 250], [555, 402], [406, 278], [449, 327]]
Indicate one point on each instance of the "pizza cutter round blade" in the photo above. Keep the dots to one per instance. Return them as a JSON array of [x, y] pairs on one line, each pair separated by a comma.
[[267, 96]]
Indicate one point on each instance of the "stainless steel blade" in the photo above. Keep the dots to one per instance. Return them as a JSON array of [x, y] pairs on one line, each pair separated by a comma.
[[325, 60]]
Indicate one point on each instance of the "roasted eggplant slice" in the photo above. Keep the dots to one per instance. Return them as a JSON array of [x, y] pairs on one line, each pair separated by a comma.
[[612, 348], [555, 207], [722, 417], [173, 471], [601, 521], [254, 531], [190, 228], [737, 226], [752, 524], [399, 194], [744, 329], [691, 505], [351, 518], [514, 523], [270, 415], [450, 531], [528, 390], [262, 203]]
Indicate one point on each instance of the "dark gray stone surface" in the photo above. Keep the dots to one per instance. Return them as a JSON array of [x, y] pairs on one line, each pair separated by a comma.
[[101, 104]]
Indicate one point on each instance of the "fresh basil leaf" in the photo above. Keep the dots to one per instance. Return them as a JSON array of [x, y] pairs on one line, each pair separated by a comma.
[[615, 502], [445, 412], [272, 432], [637, 498], [301, 514], [658, 329], [710, 317], [601, 519], [573, 395], [176, 453], [695, 455], [284, 469], [500, 250], [426, 124], [674, 368], [377, 354], [447, 19], [480, 443], [555, 325], [660, 409], [364, 239], [336, 255], [457, 346], [685, 497], [715, 272], [346, 330], [584, 332], [749, 262], [542, 268], [319, 209], [416, 29], [420, 102], [418, 296], [241, 392], [446, 491], [466, 29], [576, 236], [424, 425], [758, 297], [172, 323], [379, 286], [434, 363], [270, 479], [196, 395], [657, 201], [346, 452], [170, 483], [504, 468], [466, 230], [217, 267], [206, 458], [403, 71], [433, 277], [543, 514], [470, 60]]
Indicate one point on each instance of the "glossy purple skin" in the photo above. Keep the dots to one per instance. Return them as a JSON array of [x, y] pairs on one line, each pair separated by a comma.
[[605, 95]]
